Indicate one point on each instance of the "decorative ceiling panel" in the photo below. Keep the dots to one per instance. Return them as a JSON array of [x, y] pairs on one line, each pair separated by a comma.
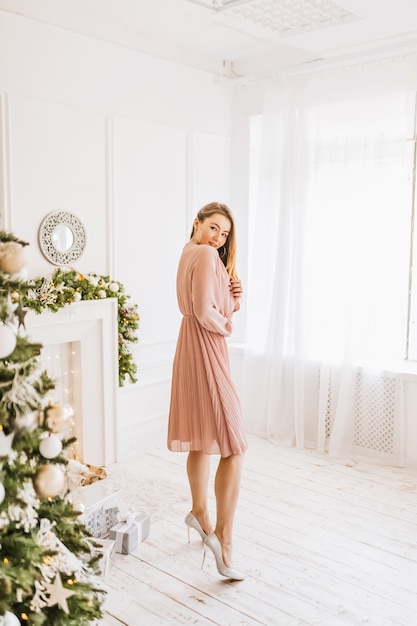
[[285, 17]]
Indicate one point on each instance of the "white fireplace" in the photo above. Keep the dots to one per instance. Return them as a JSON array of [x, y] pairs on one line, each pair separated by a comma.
[[80, 352]]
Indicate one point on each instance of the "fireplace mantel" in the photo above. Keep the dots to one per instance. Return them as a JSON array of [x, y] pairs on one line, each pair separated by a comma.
[[89, 329]]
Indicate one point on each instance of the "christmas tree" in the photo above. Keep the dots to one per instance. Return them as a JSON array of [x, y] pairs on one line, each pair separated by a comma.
[[48, 566]]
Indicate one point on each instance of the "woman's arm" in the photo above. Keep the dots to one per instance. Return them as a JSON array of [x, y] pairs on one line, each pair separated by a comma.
[[206, 292]]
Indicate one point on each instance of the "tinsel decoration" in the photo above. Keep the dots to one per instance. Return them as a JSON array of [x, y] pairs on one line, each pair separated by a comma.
[[27, 421], [6, 442], [21, 389]]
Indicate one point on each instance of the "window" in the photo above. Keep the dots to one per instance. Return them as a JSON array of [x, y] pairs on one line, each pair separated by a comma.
[[353, 267]]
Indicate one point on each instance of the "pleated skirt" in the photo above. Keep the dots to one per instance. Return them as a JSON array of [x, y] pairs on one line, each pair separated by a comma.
[[205, 410]]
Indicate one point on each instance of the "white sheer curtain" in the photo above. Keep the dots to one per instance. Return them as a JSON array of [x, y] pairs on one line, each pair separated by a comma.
[[331, 209]]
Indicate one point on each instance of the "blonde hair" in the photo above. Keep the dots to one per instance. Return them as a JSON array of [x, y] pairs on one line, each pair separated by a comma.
[[227, 252]]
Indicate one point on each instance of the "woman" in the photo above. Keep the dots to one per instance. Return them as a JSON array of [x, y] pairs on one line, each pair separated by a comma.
[[205, 414]]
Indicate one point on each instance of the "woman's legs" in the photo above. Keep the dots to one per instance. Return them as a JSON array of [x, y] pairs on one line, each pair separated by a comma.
[[226, 488], [198, 471]]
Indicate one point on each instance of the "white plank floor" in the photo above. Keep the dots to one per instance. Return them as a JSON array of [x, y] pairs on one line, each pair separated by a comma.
[[322, 543]]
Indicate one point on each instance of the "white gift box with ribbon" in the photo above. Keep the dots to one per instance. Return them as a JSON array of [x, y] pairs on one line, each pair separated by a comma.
[[133, 528]]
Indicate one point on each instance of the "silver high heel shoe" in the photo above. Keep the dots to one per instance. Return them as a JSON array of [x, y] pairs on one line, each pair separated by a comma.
[[213, 543], [192, 522]]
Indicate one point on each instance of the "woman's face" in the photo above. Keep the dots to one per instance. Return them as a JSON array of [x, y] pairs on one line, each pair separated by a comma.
[[213, 231]]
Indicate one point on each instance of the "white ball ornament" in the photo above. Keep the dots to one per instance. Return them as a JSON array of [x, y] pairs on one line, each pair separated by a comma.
[[10, 619], [101, 293], [50, 447], [7, 341], [49, 481], [79, 507], [114, 287], [2, 493], [77, 296]]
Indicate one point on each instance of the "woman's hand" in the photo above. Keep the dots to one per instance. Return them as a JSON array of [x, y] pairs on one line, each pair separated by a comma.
[[236, 290]]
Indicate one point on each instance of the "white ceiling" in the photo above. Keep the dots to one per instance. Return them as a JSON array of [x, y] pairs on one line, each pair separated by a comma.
[[239, 39]]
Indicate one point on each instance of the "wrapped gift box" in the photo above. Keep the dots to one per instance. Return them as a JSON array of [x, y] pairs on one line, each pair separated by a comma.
[[106, 550], [143, 521], [101, 507], [128, 533]]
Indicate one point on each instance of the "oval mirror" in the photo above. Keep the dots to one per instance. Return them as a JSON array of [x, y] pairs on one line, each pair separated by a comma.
[[62, 238]]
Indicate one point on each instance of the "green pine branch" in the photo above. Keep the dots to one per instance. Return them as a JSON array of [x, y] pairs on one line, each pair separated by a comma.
[[66, 287], [5, 237]]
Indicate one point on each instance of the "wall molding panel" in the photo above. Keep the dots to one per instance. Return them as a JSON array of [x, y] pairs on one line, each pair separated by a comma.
[[5, 201], [132, 159]]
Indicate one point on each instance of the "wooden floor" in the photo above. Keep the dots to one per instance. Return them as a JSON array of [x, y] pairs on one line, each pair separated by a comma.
[[322, 543]]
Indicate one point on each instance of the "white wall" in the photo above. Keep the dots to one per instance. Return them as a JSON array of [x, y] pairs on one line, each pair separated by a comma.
[[55, 160], [133, 146], [57, 65]]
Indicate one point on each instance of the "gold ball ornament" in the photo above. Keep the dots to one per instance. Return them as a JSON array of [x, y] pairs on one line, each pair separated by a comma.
[[59, 416], [49, 481], [12, 257], [7, 341]]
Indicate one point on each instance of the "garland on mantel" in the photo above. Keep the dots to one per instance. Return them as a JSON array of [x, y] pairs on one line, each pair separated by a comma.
[[67, 286]]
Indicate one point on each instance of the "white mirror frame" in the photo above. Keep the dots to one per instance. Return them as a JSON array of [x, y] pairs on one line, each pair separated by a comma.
[[46, 244]]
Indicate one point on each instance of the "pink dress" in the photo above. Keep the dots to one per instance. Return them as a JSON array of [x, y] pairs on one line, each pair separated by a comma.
[[205, 411]]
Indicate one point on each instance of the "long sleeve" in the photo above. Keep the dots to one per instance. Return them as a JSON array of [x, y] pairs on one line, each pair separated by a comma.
[[212, 303]]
